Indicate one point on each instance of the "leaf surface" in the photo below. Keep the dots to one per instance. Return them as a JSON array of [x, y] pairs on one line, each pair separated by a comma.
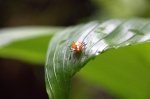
[[98, 37]]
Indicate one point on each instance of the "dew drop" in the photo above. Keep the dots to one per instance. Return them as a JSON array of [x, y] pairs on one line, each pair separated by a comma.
[[128, 44], [97, 53]]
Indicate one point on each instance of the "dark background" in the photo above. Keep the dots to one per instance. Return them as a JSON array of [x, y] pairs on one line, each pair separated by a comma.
[[44, 12], [20, 80]]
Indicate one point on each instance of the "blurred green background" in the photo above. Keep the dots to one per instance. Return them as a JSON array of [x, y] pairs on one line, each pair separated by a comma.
[[22, 76]]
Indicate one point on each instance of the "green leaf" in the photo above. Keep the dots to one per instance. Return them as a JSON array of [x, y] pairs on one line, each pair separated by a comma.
[[99, 37], [121, 8], [26, 43], [124, 73]]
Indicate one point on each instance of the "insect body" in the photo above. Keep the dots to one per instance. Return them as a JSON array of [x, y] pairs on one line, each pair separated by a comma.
[[76, 49]]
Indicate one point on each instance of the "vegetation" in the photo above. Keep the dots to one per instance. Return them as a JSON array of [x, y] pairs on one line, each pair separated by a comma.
[[115, 63]]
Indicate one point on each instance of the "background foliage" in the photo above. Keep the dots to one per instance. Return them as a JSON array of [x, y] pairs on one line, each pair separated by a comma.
[[116, 74]]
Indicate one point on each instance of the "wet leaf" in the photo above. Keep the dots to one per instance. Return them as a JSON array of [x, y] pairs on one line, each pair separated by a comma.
[[98, 37]]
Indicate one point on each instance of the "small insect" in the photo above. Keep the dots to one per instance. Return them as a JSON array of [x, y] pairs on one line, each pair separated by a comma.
[[76, 48]]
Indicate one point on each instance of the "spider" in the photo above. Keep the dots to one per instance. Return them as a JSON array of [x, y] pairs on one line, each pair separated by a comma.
[[76, 48]]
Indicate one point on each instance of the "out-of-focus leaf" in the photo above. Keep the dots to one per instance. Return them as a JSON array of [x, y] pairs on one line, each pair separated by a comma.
[[123, 72], [26, 43], [99, 38], [121, 8]]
